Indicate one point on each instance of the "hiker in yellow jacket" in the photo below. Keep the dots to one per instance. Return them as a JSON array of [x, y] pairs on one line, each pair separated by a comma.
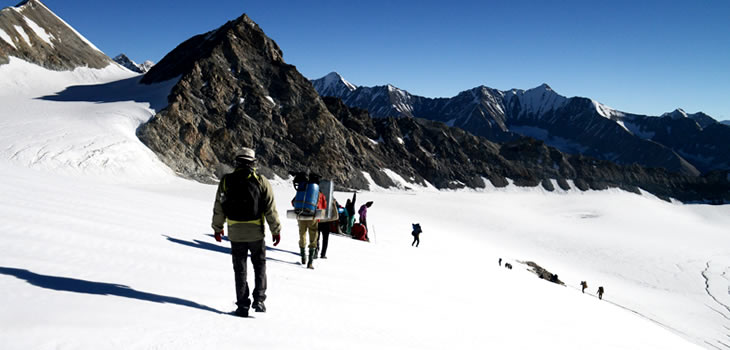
[[243, 201]]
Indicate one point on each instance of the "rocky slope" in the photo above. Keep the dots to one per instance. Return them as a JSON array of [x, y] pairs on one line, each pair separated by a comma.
[[235, 90], [574, 125], [452, 158], [30, 31]]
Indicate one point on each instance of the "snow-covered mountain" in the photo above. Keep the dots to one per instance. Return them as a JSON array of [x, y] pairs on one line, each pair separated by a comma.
[[333, 84], [33, 33], [126, 62], [575, 125]]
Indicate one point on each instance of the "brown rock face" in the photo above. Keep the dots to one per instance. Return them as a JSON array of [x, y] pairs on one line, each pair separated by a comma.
[[40, 37], [235, 90]]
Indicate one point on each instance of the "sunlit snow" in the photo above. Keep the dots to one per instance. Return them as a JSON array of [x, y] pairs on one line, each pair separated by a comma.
[[117, 254]]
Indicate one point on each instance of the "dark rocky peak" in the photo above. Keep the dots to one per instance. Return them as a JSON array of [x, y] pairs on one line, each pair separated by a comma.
[[703, 119], [676, 114], [32, 32], [126, 62], [241, 32], [235, 90]]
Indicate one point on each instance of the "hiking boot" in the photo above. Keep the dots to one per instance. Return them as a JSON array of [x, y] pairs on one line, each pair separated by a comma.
[[241, 313], [303, 255], [259, 306], [311, 258]]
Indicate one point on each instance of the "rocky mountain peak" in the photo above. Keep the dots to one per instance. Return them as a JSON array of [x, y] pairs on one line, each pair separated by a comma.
[[676, 114], [234, 34], [32, 32], [126, 62], [235, 90]]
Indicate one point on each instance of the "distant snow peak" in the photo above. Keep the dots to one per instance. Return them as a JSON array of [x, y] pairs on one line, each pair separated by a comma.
[[126, 62], [539, 100], [676, 114], [334, 78], [605, 111], [333, 84]]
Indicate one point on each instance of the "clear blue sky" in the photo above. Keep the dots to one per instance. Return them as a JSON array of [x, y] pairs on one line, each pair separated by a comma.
[[646, 57]]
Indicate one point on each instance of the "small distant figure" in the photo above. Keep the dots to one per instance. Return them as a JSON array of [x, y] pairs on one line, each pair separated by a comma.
[[508, 265], [554, 278], [416, 234], [600, 293], [350, 207], [583, 286], [500, 261], [364, 213]]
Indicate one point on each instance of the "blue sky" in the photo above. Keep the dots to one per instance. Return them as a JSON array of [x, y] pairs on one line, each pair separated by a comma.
[[646, 57]]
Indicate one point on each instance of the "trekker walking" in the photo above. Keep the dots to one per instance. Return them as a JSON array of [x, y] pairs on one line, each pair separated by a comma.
[[416, 234], [583, 286], [310, 226], [364, 213], [243, 201], [325, 228], [350, 207], [600, 293]]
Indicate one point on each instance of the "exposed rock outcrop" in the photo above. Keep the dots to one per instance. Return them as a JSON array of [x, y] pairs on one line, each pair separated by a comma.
[[31, 32]]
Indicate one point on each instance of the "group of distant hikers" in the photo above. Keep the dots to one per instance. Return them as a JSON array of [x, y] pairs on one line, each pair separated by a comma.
[[554, 278], [245, 199]]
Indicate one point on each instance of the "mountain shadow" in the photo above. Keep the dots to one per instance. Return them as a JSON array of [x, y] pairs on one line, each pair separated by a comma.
[[66, 284], [117, 91]]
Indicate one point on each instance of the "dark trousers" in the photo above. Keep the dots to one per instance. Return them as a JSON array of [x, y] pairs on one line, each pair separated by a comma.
[[240, 250], [416, 240], [324, 232]]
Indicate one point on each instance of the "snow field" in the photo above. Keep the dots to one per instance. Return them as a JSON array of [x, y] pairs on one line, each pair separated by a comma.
[[386, 294], [101, 246]]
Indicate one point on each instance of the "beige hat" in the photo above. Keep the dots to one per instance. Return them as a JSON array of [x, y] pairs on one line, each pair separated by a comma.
[[246, 154]]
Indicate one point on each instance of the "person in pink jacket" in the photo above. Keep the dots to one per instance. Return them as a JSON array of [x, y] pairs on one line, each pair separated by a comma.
[[364, 213]]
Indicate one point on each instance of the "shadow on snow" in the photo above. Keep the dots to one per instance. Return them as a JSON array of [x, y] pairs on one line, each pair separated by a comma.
[[117, 91], [66, 284], [227, 250]]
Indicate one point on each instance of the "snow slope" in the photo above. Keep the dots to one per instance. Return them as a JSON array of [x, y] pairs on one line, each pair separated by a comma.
[[79, 122], [115, 253]]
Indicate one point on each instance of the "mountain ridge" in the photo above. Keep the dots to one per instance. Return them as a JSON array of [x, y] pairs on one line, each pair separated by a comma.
[[32, 32], [235, 90], [575, 125]]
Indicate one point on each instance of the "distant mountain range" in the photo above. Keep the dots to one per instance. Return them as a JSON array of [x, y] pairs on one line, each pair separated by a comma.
[[236, 90], [126, 62], [685, 143], [233, 89]]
